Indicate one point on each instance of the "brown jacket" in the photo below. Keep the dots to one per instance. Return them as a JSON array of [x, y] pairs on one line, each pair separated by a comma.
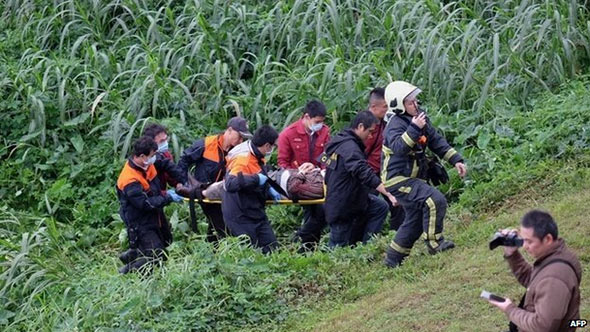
[[553, 291]]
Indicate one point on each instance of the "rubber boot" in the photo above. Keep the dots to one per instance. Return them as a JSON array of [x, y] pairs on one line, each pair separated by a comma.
[[393, 258], [443, 245], [128, 256]]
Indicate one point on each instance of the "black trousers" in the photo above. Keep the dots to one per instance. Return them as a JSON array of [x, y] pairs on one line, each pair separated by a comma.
[[217, 228], [150, 246], [425, 209], [314, 223], [259, 231]]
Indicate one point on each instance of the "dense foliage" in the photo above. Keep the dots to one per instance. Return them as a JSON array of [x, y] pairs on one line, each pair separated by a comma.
[[79, 80]]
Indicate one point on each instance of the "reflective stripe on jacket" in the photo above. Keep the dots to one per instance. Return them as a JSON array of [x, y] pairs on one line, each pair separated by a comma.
[[404, 145]]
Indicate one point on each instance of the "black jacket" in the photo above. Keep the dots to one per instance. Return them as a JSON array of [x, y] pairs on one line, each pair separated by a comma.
[[208, 158], [244, 199], [141, 205], [404, 146], [349, 178]]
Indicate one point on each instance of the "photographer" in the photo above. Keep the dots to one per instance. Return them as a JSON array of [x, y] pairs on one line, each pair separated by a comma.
[[552, 298]]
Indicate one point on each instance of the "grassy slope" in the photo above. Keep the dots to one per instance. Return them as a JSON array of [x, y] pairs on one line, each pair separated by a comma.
[[441, 293]]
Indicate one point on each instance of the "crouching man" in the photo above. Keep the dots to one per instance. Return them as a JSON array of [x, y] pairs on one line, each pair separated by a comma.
[[552, 298], [246, 189], [352, 213], [142, 202]]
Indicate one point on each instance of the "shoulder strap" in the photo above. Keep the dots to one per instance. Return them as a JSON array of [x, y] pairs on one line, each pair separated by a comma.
[[559, 260], [270, 181]]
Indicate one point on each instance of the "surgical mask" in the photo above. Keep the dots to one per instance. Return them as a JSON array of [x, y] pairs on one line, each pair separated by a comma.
[[151, 160], [269, 153], [315, 127], [163, 147]]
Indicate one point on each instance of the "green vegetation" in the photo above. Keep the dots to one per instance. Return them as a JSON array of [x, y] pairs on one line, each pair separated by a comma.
[[505, 81]]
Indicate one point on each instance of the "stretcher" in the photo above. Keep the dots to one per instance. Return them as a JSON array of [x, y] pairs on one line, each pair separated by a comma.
[[270, 202]]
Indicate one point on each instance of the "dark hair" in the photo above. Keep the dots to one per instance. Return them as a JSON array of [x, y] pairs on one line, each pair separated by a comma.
[[315, 108], [144, 145], [541, 222], [153, 129], [377, 93], [366, 118], [263, 135]]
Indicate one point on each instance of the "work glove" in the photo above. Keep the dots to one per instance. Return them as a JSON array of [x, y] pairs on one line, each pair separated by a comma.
[[262, 179], [274, 194], [175, 197]]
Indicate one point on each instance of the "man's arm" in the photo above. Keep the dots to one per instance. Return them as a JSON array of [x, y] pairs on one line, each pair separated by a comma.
[[399, 136], [236, 180], [285, 154], [356, 164], [191, 155], [439, 145], [551, 301], [520, 267], [168, 166], [140, 200]]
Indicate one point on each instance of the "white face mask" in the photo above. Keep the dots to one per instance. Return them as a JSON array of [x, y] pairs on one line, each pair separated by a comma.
[[315, 127], [269, 153], [150, 160], [163, 147]]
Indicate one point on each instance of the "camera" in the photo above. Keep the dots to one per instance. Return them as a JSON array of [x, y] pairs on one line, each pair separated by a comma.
[[509, 240]]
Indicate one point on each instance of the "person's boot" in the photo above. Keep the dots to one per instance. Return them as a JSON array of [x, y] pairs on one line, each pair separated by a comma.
[[393, 258], [443, 245], [124, 269], [128, 256]]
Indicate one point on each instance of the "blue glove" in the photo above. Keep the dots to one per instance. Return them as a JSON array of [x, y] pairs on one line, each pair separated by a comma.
[[274, 194], [175, 197], [262, 179]]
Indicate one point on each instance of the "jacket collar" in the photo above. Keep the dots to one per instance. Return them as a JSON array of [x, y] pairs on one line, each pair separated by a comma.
[[300, 127], [558, 246], [136, 167]]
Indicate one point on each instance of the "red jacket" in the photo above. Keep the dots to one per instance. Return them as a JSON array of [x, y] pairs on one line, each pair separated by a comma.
[[294, 145], [373, 147]]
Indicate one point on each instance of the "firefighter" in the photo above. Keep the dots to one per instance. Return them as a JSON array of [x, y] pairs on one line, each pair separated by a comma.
[[378, 107], [142, 201], [404, 171], [159, 134], [247, 187], [208, 156]]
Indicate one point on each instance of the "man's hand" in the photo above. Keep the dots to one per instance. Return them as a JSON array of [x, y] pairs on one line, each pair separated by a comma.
[[502, 305], [462, 169], [306, 167], [262, 179], [419, 120], [276, 197], [392, 199], [509, 250], [175, 197]]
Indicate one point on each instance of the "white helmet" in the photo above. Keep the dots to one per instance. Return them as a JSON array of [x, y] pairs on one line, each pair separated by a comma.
[[395, 93]]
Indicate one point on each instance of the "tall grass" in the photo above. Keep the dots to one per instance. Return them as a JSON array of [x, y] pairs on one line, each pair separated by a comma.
[[80, 79]]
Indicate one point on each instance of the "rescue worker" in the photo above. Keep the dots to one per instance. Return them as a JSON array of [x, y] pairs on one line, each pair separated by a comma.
[[373, 145], [404, 171], [246, 189], [552, 298], [142, 202], [208, 156], [300, 146], [160, 135], [349, 206]]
